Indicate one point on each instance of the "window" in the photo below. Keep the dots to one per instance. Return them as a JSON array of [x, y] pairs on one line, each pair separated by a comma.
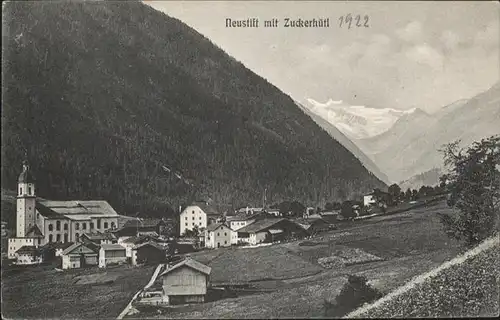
[[84, 226], [225, 233], [200, 217], [186, 218], [50, 238], [186, 224], [65, 226], [39, 240], [58, 225], [192, 212], [200, 223], [113, 225], [92, 225], [225, 241], [77, 226], [58, 238], [29, 190], [193, 218], [98, 223], [218, 234], [193, 223], [105, 225], [77, 235], [51, 227], [66, 237], [20, 190]]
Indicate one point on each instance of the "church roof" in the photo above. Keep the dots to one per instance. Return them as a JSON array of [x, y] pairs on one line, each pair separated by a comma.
[[76, 209], [26, 176]]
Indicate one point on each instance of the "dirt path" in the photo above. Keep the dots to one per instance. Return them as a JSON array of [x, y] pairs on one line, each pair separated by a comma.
[[149, 284]]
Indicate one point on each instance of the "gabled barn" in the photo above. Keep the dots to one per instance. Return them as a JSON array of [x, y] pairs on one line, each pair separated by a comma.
[[79, 255], [186, 282], [271, 230]]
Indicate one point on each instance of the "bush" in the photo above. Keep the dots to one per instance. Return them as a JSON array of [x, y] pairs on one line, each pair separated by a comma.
[[474, 185], [354, 294]]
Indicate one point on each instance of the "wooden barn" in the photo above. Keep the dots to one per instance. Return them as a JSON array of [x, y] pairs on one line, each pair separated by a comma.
[[313, 225], [78, 255], [271, 230], [186, 282], [149, 253]]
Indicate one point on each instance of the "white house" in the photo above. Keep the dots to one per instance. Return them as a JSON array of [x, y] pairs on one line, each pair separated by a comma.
[[218, 235], [192, 216], [241, 220], [368, 199], [111, 254]]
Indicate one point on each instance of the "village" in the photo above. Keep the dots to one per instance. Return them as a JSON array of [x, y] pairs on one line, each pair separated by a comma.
[[90, 233]]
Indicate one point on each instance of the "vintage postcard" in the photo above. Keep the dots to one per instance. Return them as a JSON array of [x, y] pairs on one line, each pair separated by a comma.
[[250, 159]]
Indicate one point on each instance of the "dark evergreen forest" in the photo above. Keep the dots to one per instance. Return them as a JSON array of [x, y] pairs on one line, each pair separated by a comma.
[[101, 95]]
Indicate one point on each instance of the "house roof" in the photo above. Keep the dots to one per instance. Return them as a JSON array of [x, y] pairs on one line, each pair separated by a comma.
[[77, 209], [188, 262], [215, 226], [206, 207], [57, 245], [140, 239], [112, 247], [150, 244], [310, 220], [27, 249], [260, 225], [77, 245]]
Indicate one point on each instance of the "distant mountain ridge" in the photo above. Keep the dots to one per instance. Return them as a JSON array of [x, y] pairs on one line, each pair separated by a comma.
[[357, 122], [428, 178], [411, 146], [346, 142], [103, 96]]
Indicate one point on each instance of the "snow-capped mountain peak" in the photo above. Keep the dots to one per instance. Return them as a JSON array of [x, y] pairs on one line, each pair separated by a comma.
[[357, 122]]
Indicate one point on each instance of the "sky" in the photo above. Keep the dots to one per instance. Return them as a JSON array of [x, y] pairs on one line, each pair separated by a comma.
[[413, 54]]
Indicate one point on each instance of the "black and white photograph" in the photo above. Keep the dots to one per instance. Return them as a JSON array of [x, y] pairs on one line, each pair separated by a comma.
[[250, 159]]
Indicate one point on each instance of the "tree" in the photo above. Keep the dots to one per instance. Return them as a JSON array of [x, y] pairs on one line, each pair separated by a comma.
[[346, 209], [354, 294], [331, 206], [394, 194], [474, 184], [408, 194]]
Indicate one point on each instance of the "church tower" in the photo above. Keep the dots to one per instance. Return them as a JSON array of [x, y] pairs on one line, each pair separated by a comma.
[[26, 212]]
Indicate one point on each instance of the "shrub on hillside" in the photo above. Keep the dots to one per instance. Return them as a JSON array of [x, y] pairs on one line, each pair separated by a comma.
[[354, 294], [474, 185]]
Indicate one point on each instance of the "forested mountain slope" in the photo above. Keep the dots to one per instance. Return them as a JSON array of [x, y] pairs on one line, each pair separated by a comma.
[[111, 100]]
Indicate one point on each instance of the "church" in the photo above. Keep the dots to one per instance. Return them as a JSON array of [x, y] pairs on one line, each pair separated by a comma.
[[39, 222]]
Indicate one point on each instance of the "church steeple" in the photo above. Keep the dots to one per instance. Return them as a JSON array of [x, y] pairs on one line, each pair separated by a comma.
[[26, 201]]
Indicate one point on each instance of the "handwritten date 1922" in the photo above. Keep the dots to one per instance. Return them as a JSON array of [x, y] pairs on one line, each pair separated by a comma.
[[357, 21]]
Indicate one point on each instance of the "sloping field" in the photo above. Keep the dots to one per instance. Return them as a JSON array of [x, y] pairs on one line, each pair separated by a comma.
[[38, 293], [412, 243], [247, 265], [466, 289]]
